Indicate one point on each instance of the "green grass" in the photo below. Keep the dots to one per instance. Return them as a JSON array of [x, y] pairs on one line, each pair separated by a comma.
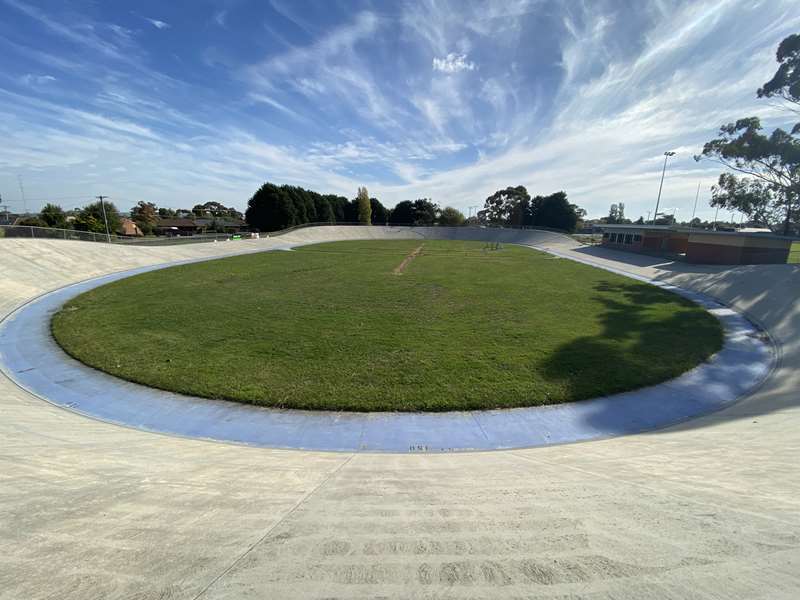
[[332, 327], [794, 253]]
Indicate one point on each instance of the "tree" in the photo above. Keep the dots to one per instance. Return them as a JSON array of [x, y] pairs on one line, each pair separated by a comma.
[[425, 211], [364, 207], [53, 216], [616, 214], [145, 215], [166, 213], [557, 212], [215, 209], [749, 196], [451, 217], [772, 159], [270, 209], [403, 213], [785, 83], [32, 221], [380, 214], [511, 207], [323, 209], [90, 218]]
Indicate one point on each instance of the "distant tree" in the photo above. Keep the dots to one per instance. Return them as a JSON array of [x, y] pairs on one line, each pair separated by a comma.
[[364, 206], [451, 217], [53, 216], [511, 207], [166, 213], [270, 209], [774, 159], [616, 214], [557, 212], [215, 209], [323, 210], [90, 218], [380, 214], [145, 215], [32, 221], [749, 196], [425, 211], [640, 221], [403, 213]]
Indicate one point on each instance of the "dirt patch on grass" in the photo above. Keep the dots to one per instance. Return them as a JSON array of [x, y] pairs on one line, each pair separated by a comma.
[[398, 270]]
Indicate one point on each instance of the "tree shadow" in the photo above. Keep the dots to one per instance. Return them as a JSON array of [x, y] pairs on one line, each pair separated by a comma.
[[634, 347]]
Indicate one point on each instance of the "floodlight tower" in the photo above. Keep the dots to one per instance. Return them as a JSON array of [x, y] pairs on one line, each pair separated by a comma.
[[661, 185]]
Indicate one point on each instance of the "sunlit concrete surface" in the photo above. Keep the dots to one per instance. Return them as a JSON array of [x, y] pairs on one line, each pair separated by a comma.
[[707, 509]]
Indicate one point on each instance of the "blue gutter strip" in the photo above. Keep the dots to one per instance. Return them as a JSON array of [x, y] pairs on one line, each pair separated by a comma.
[[31, 358]]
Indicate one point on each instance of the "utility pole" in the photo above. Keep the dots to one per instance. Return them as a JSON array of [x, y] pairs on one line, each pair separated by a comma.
[[661, 185], [694, 210], [22, 193], [105, 219]]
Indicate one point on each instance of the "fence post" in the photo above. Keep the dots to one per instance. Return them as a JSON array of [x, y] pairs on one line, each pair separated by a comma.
[[65, 234], [32, 236]]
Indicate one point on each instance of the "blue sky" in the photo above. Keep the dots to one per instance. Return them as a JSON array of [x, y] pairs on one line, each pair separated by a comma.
[[184, 102]]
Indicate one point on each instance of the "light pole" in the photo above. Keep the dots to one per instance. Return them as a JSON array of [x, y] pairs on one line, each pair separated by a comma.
[[661, 185], [694, 210], [105, 219]]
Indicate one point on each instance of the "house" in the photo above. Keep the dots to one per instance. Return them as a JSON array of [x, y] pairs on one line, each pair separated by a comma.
[[175, 227]]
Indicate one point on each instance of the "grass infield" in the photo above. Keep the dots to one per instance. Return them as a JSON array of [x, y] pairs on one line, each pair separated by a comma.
[[388, 325]]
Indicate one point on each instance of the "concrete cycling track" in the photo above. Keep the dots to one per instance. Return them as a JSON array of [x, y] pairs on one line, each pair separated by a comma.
[[707, 509], [30, 356]]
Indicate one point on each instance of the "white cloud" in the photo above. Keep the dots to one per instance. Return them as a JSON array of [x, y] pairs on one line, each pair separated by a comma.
[[221, 17], [31, 79], [453, 63], [158, 24]]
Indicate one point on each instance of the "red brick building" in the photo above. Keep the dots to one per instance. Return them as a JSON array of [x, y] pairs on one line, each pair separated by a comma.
[[698, 245]]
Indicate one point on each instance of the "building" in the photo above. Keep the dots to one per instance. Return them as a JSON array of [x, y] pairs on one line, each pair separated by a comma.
[[699, 245], [175, 227]]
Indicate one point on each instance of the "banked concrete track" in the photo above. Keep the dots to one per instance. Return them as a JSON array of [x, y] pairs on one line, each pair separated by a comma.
[[709, 509]]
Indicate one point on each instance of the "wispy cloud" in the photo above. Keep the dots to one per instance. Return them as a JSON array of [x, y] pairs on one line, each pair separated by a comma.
[[445, 99], [31, 79], [158, 24], [453, 63]]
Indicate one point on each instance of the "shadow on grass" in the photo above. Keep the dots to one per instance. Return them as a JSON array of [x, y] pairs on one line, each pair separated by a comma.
[[647, 336]]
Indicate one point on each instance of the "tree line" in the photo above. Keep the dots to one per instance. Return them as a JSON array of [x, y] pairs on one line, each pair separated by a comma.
[[146, 215], [275, 207], [514, 207]]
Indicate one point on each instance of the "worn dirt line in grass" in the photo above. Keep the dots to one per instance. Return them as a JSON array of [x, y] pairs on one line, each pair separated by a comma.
[[398, 270]]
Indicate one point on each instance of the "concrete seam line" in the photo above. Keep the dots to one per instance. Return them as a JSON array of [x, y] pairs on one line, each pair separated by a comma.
[[274, 526], [684, 497]]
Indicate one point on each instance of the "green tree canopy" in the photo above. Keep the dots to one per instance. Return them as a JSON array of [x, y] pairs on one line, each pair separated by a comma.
[[380, 214], [145, 215], [53, 216], [511, 207], [270, 209], [90, 218], [556, 212], [364, 206], [772, 159], [451, 217]]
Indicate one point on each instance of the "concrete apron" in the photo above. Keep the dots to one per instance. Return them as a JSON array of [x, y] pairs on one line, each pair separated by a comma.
[[30, 357]]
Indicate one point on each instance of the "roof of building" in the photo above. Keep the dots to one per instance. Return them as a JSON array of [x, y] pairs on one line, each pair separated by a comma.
[[175, 223]]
